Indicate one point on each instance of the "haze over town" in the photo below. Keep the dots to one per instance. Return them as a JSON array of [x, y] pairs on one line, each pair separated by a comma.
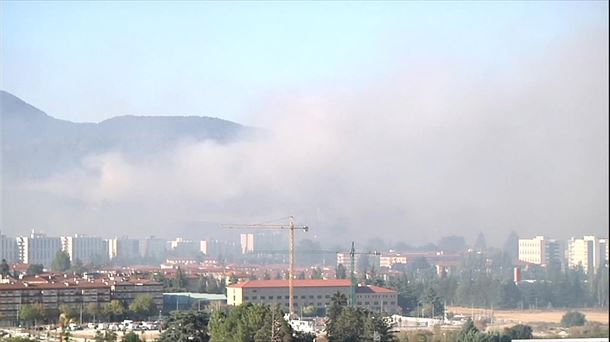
[[366, 127]]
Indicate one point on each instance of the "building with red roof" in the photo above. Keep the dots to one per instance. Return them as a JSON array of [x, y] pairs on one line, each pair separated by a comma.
[[311, 292]]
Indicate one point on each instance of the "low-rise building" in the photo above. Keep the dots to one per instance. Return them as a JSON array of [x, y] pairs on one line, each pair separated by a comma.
[[316, 293]]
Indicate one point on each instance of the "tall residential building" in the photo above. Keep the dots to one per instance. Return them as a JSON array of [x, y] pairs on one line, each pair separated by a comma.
[[590, 253], [539, 250], [8, 249], [38, 249], [184, 247], [153, 247], [84, 248], [246, 243], [123, 248]]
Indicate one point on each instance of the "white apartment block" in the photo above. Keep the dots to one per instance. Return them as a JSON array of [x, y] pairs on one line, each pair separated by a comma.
[[38, 249], [388, 260], [590, 253], [84, 248], [189, 247], [344, 258], [8, 249], [539, 250], [153, 247], [316, 293], [247, 243], [123, 248]]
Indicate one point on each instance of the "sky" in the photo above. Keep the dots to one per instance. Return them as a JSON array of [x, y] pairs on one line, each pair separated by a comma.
[[88, 61], [421, 118]]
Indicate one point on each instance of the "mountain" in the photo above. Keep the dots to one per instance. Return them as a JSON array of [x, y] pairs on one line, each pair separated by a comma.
[[35, 145]]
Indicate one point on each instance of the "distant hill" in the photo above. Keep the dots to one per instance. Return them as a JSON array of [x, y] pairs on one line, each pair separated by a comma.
[[35, 145]]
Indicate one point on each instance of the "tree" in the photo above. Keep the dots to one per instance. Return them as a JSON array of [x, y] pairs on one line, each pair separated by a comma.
[[452, 244], [106, 336], [301, 275], [468, 333], [480, 243], [31, 313], [180, 279], [511, 245], [519, 332], [113, 310], [34, 269], [341, 272], [132, 337], [249, 322], [346, 324], [92, 310], [572, 319], [316, 273], [5, 269], [143, 306], [186, 326], [61, 262]]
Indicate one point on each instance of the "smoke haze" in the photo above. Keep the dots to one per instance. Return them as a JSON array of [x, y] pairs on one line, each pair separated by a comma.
[[428, 148]]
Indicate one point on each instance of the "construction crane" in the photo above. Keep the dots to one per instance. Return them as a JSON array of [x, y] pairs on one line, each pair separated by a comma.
[[352, 256], [291, 227]]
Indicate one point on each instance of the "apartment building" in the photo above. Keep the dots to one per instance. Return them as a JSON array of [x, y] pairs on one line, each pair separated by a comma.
[[8, 249], [389, 260], [85, 248], [184, 247], [123, 248], [246, 242], [539, 251], [54, 290], [37, 249], [316, 293], [589, 252], [153, 247]]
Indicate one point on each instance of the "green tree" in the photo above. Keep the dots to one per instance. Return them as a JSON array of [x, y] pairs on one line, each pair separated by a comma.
[[132, 337], [316, 273], [92, 310], [114, 310], [572, 319], [519, 332], [341, 272], [186, 327], [143, 306], [5, 269], [31, 313], [61, 262], [179, 280], [468, 333], [34, 269], [106, 336]]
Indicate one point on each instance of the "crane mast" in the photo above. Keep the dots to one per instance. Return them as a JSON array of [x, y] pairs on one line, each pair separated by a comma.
[[291, 259]]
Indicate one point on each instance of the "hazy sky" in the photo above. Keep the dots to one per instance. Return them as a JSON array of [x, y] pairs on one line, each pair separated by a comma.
[[399, 120], [88, 61]]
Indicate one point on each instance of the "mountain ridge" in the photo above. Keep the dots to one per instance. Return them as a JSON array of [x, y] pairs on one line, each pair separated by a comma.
[[36, 144]]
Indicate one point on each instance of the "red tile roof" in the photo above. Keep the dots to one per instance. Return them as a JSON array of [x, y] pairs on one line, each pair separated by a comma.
[[373, 289], [295, 283]]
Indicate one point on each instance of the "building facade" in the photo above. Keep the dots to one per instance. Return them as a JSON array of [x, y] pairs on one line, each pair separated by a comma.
[[8, 249], [78, 293], [316, 293], [539, 251], [589, 252], [84, 248], [38, 249]]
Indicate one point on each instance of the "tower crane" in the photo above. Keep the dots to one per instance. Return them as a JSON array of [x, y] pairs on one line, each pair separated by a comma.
[[291, 227], [352, 256]]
